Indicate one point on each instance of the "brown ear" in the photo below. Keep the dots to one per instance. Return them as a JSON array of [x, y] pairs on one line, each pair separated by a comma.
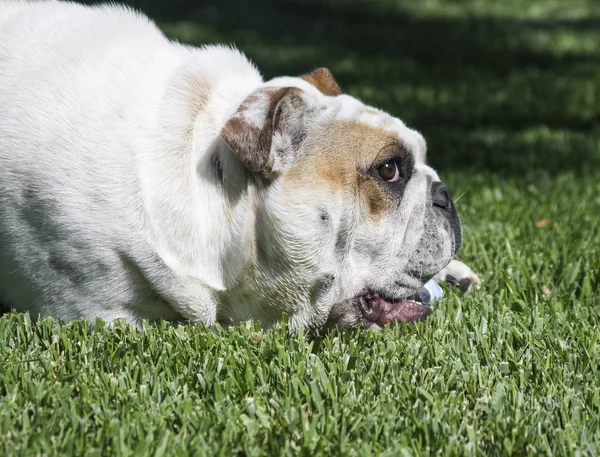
[[249, 132], [323, 80]]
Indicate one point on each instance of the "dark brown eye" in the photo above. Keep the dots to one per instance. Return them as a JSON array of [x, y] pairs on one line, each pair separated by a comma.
[[389, 171]]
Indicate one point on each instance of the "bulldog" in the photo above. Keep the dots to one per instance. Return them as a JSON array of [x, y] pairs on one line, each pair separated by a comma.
[[145, 179]]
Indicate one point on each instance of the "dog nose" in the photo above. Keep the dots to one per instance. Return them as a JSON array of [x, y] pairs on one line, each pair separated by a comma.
[[440, 195]]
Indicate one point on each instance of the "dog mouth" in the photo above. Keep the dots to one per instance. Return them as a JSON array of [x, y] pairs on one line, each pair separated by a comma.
[[381, 311]]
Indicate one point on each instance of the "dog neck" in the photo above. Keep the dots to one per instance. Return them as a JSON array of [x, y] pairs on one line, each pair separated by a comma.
[[199, 201]]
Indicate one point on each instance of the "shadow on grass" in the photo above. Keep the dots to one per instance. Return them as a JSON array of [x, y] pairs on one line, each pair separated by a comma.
[[498, 94]]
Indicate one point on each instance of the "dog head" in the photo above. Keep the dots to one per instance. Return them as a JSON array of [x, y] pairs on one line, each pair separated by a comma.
[[350, 221]]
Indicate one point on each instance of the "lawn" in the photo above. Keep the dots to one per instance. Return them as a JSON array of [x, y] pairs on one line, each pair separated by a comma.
[[507, 95]]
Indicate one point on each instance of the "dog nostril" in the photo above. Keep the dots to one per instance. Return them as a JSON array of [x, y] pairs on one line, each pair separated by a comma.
[[440, 195]]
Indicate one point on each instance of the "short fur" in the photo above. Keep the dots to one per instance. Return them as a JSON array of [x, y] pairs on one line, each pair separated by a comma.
[[144, 179]]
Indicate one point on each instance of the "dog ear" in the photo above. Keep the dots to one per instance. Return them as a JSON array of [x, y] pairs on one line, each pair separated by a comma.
[[323, 80], [266, 131]]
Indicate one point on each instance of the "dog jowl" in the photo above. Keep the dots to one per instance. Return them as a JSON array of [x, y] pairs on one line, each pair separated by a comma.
[[142, 179]]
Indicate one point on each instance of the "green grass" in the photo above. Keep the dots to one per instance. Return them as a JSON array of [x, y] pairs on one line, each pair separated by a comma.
[[507, 94]]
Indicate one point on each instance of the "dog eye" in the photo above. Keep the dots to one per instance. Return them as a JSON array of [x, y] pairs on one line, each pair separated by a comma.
[[389, 171]]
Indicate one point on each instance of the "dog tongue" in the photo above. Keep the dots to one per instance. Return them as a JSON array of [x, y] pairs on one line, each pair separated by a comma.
[[404, 311], [382, 312]]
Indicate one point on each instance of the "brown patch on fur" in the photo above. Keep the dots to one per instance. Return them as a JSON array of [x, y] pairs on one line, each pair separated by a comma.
[[189, 92], [372, 111], [377, 199], [249, 270], [252, 145], [323, 80], [341, 157], [198, 92]]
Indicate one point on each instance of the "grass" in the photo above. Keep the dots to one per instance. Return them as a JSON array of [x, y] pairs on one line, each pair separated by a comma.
[[507, 94]]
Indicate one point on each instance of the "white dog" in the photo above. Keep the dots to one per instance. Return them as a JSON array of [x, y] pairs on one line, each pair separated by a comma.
[[145, 179]]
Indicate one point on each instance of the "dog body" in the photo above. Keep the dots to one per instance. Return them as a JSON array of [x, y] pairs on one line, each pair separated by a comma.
[[144, 179]]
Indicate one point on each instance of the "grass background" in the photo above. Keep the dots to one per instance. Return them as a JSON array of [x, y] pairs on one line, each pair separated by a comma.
[[506, 94]]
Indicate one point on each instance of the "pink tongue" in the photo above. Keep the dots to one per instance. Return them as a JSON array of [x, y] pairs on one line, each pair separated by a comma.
[[404, 311], [383, 312]]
